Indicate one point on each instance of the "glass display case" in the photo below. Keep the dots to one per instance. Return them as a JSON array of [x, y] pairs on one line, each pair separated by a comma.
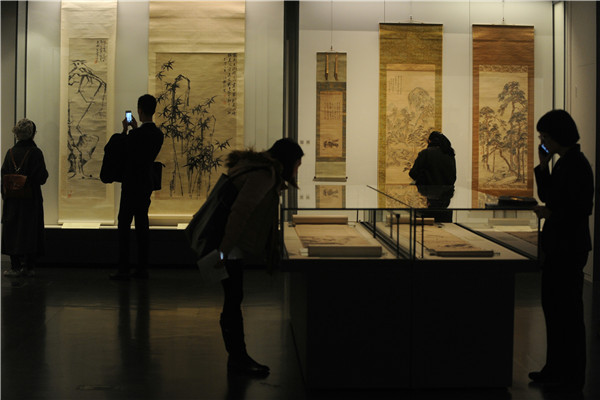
[[342, 221], [410, 223]]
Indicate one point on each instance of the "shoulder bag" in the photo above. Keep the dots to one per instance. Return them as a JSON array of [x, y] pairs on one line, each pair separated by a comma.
[[15, 186]]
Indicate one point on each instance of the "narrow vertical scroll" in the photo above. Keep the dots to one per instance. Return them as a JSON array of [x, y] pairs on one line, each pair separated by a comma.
[[331, 117], [88, 36]]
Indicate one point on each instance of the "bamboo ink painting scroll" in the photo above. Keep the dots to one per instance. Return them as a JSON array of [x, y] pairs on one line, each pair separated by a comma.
[[86, 90], [197, 113], [196, 71]]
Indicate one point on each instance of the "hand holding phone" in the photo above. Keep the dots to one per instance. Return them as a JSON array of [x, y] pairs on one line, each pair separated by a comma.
[[544, 155], [128, 116]]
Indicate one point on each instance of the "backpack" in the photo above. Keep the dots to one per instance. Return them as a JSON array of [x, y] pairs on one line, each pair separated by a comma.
[[15, 186], [207, 227], [113, 162]]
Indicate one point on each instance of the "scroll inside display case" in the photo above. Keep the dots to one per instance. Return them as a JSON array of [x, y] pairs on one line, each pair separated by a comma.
[[442, 243], [335, 240]]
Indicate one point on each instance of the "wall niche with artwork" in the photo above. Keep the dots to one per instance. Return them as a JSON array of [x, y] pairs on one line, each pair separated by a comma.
[[88, 62]]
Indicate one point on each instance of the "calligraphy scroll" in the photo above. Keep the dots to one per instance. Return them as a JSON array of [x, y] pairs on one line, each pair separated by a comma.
[[88, 32], [196, 72], [410, 98], [331, 117], [503, 125], [330, 196]]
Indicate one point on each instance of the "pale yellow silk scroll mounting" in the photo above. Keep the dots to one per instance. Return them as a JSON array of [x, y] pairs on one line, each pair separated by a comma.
[[410, 98], [331, 117], [196, 71], [503, 106], [87, 60]]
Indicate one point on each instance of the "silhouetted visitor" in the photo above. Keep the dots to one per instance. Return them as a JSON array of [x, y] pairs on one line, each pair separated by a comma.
[[142, 145], [567, 191], [434, 173], [251, 235], [435, 165], [23, 216]]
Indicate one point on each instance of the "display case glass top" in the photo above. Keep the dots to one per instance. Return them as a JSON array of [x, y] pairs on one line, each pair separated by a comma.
[[409, 222]]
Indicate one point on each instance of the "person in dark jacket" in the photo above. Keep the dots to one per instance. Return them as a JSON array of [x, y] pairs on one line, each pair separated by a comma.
[[434, 173], [435, 165], [567, 191], [251, 235], [142, 145], [23, 218]]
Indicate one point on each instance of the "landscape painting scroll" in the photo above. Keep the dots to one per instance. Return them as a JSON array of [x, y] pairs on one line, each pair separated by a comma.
[[196, 72], [331, 117], [410, 99], [503, 106], [88, 32]]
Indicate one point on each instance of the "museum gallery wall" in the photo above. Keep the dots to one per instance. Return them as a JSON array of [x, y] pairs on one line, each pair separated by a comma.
[[364, 127]]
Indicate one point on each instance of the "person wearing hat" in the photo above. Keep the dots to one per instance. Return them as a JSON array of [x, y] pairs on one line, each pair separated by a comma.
[[567, 191], [23, 216]]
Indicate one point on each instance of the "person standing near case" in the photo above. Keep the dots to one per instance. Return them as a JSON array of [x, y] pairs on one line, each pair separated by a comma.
[[436, 164], [434, 173], [251, 235], [142, 145], [23, 218], [568, 192]]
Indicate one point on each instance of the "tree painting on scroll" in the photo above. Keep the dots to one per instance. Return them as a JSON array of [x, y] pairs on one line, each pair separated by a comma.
[[410, 117], [197, 112], [503, 127], [86, 117]]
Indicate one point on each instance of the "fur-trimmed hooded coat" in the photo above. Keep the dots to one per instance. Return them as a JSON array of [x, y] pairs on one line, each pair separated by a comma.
[[252, 226]]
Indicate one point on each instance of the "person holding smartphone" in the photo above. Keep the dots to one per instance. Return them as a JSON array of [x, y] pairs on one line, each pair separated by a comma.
[[142, 145], [567, 191]]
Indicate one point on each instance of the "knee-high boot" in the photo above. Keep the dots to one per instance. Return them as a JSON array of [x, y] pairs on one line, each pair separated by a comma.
[[232, 328]]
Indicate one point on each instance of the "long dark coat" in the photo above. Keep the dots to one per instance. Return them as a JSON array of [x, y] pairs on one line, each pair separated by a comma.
[[23, 219]]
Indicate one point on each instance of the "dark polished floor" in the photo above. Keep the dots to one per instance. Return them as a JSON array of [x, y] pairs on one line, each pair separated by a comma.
[[70, 333]]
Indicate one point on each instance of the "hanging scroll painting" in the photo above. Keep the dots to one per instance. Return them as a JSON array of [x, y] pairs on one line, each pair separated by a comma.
[[410, 100], [330, 196], [331, 117], [197, 113], [503, 106], [196, 72], [88, 31]]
